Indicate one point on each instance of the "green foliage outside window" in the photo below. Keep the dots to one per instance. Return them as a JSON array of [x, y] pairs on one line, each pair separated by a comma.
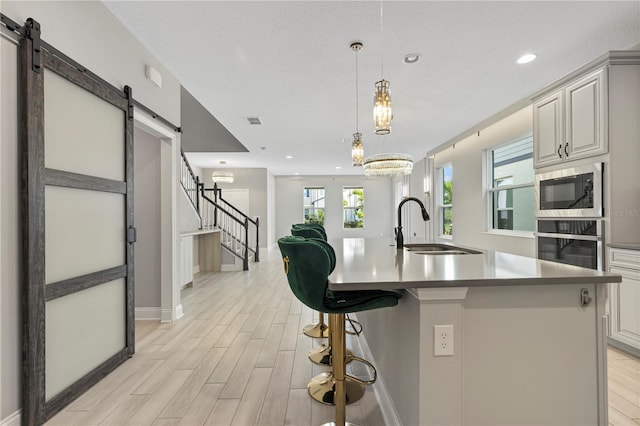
[[353, 207]]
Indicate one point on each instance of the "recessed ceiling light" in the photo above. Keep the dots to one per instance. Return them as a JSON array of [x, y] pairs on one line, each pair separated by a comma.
[[411, 58], [288, 157], [525, 59], [338, 167], [255, 121], [296, 173]]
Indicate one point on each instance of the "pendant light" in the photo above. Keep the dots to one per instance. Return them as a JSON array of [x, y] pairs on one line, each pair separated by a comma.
[[357, 148], [220, 176], [389, 164], [382, 114]]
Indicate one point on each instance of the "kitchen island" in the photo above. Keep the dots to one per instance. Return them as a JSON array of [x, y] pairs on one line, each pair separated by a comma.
[[528, 335]]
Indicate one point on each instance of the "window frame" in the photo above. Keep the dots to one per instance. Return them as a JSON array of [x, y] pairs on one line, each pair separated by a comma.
[[344, 208], [489, 189], [441, 206], [305, 206]]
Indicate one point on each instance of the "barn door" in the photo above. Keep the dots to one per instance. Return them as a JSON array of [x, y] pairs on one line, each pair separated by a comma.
[[77, 140]]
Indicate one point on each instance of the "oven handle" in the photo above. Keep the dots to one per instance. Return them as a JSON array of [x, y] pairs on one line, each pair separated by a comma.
[[569, 236]]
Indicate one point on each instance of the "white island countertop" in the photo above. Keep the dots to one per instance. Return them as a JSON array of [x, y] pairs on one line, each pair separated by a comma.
[[376, 264]]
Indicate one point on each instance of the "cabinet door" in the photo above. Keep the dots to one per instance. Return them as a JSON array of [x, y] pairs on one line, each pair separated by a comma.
[[625, 307], [585, 102], [548, 130]]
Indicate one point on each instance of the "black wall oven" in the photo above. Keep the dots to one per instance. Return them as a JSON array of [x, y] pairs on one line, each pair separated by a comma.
[[572, 192], [573, 241]]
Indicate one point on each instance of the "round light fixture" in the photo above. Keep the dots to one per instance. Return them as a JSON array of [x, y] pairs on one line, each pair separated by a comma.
[[220, 176], [411, 58], [525, 59], [388, 165], [289, 157]]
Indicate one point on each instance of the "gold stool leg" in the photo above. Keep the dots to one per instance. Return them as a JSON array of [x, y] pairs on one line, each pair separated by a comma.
[[318, 330], [323, 387], [337, 360]]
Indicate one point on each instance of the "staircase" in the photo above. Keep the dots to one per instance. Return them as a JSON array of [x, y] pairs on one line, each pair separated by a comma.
[[239, 233]]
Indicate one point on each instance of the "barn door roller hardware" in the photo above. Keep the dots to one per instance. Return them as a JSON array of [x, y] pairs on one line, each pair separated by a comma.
[[32, 31]]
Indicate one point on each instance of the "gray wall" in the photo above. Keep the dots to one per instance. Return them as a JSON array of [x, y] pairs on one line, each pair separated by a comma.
[[65, 25], [377, 204], [147, 218], [255, 180]]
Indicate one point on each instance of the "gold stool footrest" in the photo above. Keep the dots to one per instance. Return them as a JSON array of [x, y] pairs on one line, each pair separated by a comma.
[[318, 331], [322, 387], [322, 355], [368, 364], [335, 424]]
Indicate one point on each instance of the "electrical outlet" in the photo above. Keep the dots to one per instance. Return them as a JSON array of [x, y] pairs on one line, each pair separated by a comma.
[[443, 340]]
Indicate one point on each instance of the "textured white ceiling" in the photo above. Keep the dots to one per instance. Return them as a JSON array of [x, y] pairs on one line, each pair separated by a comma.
[[289, 63]]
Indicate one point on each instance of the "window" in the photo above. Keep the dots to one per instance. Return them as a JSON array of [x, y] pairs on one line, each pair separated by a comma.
[[510, 180], [314, 205], [446, 200], [353, 207]]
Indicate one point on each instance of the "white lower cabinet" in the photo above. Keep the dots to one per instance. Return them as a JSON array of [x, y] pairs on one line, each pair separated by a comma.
[[185, 256], [624, 300]]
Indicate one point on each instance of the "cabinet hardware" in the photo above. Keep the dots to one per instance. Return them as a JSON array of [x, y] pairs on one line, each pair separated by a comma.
[[560, 151], [585, 299], [566, 149]]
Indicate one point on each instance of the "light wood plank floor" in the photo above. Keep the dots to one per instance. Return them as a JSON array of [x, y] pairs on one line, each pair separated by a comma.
[[238, 357]]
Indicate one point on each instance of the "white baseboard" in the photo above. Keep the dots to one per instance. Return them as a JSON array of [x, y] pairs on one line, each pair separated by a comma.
[[148, 314], [14, 419], [388, 409], [179, 312]]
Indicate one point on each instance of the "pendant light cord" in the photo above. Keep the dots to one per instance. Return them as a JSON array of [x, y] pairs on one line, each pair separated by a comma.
[[357, 101], [381, 42]]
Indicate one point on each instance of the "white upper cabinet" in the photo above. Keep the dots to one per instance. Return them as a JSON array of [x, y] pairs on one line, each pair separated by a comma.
[[570, 123], [548, 129]]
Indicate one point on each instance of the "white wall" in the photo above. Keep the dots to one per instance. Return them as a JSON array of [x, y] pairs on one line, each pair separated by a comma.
[[378, 206], [469, 213], [255, 180], [271, 209], [65, 25], [112, 53]]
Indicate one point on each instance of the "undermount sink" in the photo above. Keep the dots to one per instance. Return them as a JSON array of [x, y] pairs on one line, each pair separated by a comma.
[[437, 249]]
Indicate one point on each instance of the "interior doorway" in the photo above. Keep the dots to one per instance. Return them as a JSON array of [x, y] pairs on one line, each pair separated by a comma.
[[166, 238]]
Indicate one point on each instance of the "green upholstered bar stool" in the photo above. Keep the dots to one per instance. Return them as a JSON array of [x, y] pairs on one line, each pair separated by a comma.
[[307, 230], [307, 264], [315, 226], [322, 354]]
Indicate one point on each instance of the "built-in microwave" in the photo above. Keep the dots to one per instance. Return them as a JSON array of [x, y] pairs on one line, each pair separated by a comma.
[[573, 192]]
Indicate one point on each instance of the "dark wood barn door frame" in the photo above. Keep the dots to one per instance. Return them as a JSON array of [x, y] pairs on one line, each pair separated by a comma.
[[34, 57]]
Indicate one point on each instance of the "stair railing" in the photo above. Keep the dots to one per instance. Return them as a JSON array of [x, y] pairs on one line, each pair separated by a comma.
[[215, 193], [190, 182], [234, 232], [216, 213]]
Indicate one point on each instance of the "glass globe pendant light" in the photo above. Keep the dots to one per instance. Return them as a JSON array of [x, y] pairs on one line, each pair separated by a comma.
[[357, 148], [382, 114]]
